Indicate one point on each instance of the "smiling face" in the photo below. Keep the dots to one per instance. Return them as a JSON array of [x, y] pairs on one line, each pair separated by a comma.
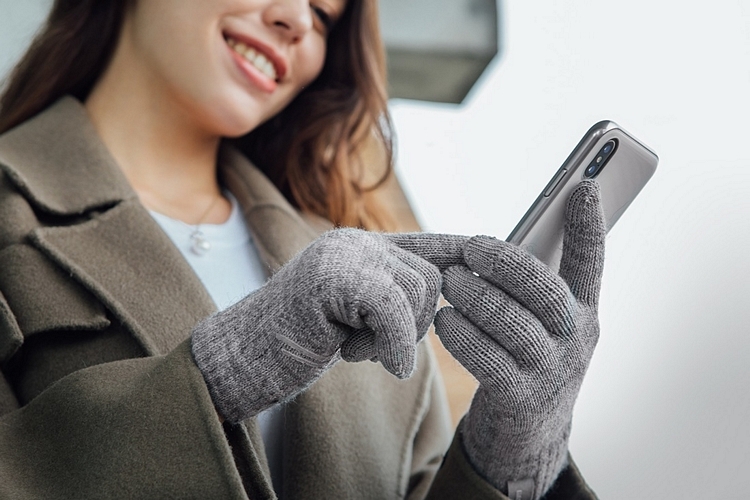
[[230, 64]]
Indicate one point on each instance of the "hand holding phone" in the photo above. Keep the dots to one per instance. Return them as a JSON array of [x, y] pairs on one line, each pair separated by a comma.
[[615, 159]]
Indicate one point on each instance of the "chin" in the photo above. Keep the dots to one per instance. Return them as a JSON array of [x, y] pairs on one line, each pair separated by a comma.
[[239, 116], [237, 128], [233, 120]]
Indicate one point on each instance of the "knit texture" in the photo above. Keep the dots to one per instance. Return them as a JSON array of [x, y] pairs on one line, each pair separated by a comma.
[[351, 294], [527, 334]]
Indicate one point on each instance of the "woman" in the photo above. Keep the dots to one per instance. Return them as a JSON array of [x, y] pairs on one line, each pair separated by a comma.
[[128, 217]]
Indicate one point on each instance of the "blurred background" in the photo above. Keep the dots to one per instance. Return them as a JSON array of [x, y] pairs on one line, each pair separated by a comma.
[[665, 408]]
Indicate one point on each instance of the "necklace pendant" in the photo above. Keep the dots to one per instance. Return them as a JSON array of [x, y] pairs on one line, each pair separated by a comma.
[[199, 245]]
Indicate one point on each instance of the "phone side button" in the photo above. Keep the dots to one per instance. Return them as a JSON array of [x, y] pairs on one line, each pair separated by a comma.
[[553, 184]]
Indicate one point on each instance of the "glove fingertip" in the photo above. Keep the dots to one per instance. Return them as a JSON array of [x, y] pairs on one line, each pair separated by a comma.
[[585, 203], [582, 262], [401, 364], [486, 255]]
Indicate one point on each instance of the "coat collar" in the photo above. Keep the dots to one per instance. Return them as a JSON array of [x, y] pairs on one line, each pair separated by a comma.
[[59, 163]]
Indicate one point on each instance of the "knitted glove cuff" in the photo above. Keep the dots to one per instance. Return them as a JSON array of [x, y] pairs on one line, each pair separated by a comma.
[[244, 364], [531, 467], [215, 349]]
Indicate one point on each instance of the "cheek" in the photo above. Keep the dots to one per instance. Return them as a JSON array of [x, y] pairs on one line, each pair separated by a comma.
[[173, 38], [312, 59]]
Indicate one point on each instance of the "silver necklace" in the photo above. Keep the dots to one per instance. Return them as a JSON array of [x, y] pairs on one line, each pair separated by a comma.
[[199, 244]]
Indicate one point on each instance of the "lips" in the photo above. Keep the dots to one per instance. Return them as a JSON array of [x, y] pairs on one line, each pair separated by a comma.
[[260, 62]]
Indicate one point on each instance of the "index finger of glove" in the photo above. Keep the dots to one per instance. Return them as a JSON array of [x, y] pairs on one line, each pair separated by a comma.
[[388, 313], [421, 281], [582, 262], [525, 278], [441, 250], [383, 327]]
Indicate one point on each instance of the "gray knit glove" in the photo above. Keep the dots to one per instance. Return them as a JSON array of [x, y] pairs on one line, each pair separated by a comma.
[[350, 294], [527, 335]]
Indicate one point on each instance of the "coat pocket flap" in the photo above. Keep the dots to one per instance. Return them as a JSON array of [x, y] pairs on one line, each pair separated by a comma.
[[43, 297]]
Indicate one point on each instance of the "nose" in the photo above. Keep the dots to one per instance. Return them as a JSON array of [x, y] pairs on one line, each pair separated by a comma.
[[292, 19]]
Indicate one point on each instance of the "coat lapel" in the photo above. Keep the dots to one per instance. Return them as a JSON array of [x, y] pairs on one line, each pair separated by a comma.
[[58, 162], [104, 237], [125, 259]]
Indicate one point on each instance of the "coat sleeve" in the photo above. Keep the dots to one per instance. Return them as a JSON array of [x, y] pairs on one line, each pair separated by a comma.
[[451, 477], [137, 428], [457, 479]]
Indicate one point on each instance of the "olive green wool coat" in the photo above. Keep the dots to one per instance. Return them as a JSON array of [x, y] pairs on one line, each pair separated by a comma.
[[99, 394]]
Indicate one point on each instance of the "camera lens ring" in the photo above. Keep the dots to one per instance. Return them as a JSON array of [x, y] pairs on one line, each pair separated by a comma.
[[591, 170], [601, 159]]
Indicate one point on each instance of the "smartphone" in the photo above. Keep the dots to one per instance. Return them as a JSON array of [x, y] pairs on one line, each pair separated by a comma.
[[619, 162]]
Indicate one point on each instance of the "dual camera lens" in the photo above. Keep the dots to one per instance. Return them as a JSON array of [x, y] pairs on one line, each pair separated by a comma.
[[601, 159]]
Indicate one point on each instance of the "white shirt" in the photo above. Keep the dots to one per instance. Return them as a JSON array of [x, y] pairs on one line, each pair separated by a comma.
[[230, 270]]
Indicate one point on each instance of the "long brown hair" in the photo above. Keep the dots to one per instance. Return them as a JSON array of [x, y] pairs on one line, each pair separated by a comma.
[[315, 150]]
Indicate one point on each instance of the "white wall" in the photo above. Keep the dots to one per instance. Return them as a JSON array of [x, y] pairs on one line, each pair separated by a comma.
[[665, 409], [19, 20]]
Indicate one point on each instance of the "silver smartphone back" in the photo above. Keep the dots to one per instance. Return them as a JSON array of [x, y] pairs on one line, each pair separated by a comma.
[[621, 173]]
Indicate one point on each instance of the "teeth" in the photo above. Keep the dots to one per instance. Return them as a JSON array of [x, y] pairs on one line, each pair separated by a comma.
[[251, 55], [254, 57]]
